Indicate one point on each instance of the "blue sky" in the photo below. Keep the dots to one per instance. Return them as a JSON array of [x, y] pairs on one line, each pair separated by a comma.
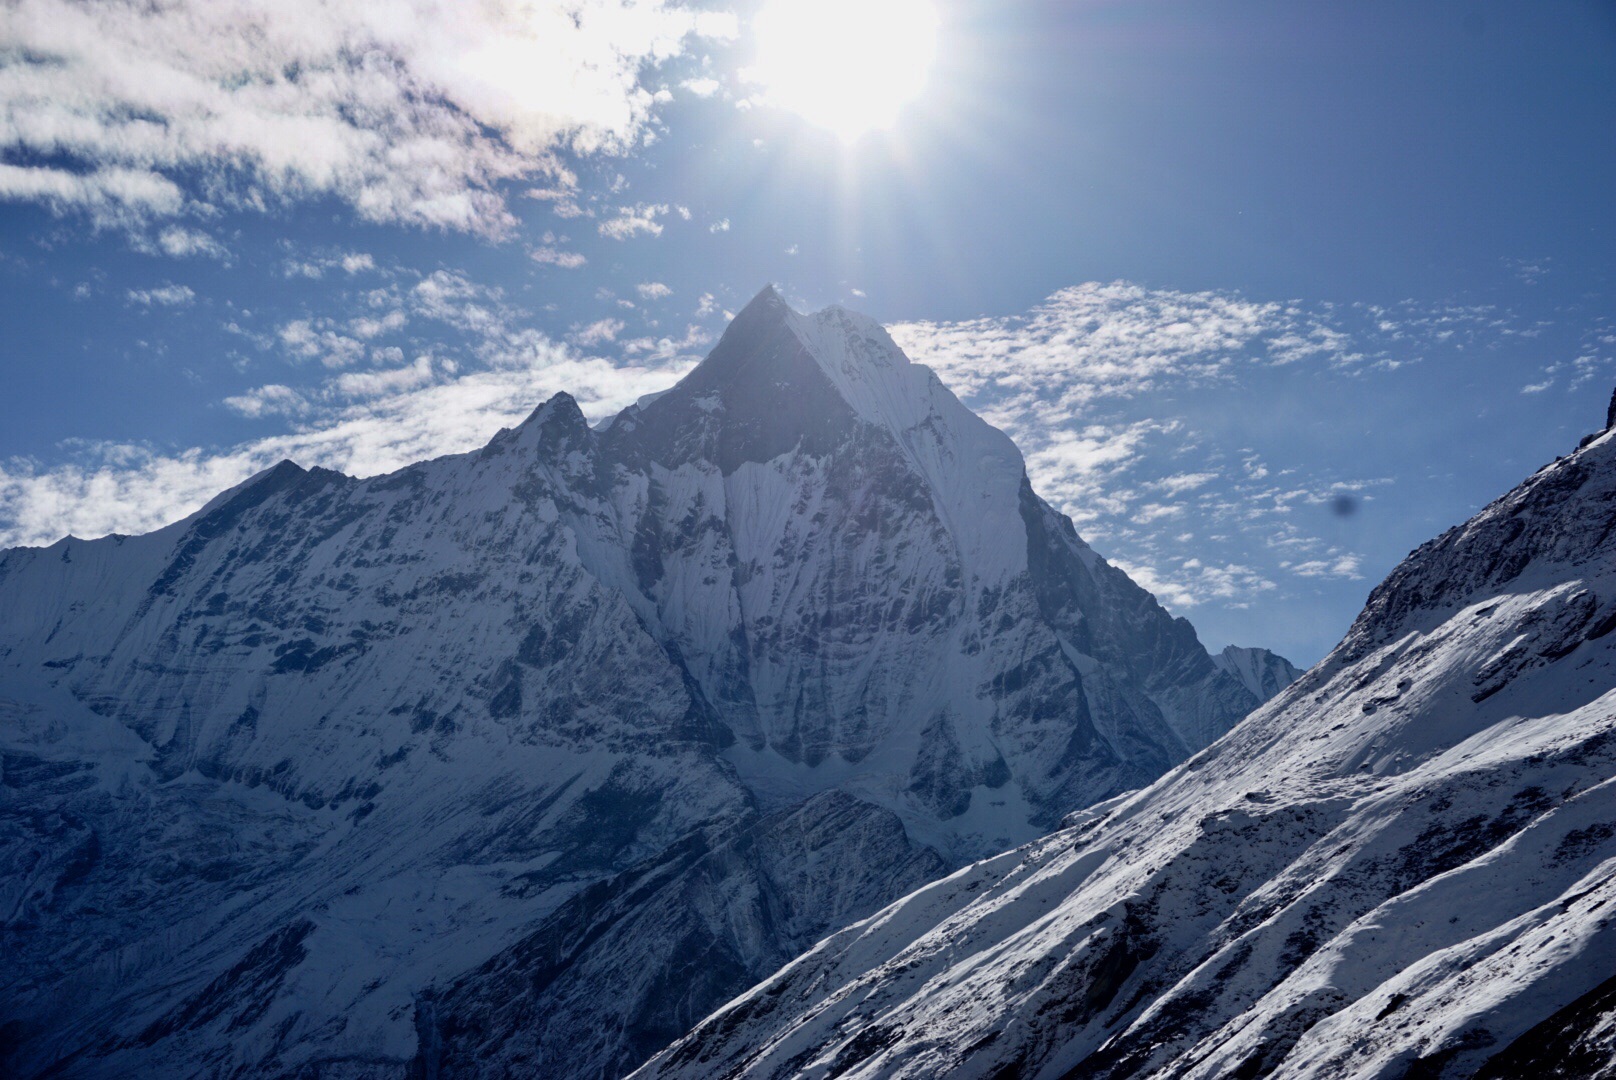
[[1268, 293]]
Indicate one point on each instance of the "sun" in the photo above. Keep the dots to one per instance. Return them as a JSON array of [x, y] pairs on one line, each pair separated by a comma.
[[846, 65]]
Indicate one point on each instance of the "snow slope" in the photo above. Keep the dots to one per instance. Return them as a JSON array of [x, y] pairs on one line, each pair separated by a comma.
[[357, 777], [1402, 866]]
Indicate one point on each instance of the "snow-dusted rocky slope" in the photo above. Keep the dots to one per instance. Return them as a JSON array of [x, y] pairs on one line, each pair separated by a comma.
[[530, 757], [1403, 866]]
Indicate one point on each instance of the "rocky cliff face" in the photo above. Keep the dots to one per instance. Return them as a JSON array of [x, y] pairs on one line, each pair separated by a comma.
[[320, 776], [1404, 865], [632, 963]]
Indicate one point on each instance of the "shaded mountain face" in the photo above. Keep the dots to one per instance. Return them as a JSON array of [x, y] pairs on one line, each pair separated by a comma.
[[1262, 672], [1402, 866], [482, 757]]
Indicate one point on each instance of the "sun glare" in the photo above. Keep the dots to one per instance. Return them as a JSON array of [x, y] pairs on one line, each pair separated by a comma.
[[847, 65]]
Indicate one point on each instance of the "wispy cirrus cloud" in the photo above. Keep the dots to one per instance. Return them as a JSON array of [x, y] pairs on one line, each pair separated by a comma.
[[1094, 383], [180, 242], [1118, 339], [110, 194], [163, 296], [392, 374], [553, 256], [599, 332], [133, 488], [272, 399], [1338, 566], [317, 266], [631, 221], [411, 111]]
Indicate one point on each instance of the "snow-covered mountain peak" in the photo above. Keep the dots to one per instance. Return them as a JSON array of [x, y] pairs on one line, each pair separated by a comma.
[[558, 403], [774, 360], [769, 649], [1263, 672], [282, 472], [767, 298], [558, 418]]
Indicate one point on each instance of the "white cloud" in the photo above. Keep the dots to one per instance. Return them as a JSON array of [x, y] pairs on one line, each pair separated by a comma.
[[634, 220], [1585, 369], [179, 242], [350, 263], [1085, 384], [166, 296], [366, 327], [1227, 582], [1191, 583], [1075, 469], [132, 489], [456, 300], [271, 400], [1156, 511], [549, 256], [110, 195], [562, 199], [1183, 483], [369, 412], [1528, 271], [412, 111], [653, 290], [315, 340], [1341, 566], [1097, 340], [376, 383], [701, 87], [597, 333], [683, 350], [721, 225]]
